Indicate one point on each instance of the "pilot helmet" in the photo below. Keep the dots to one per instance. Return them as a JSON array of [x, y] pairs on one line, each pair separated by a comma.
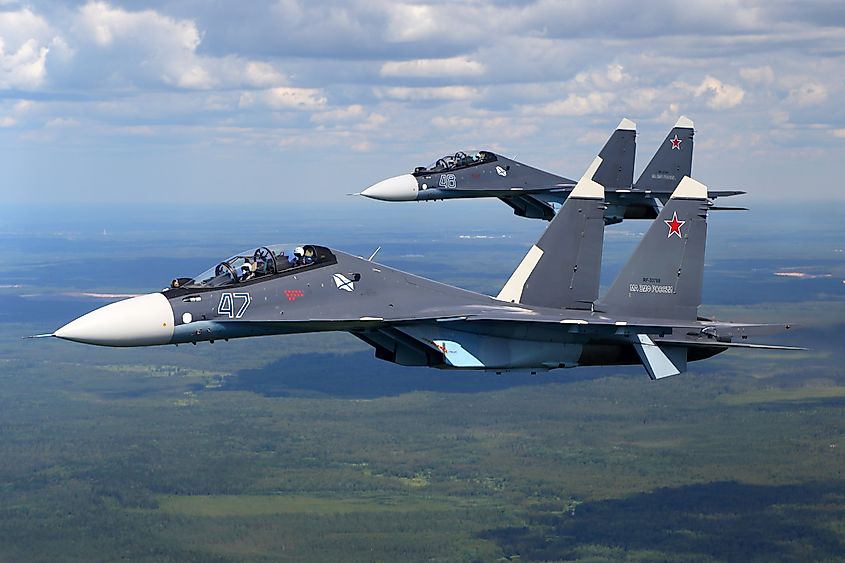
[[299, 251]]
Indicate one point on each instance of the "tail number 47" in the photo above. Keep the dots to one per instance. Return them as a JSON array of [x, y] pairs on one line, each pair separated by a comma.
[[227, 304]]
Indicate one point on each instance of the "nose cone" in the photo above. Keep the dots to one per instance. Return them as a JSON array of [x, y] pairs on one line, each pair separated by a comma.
[[140, 321], [398, 188]]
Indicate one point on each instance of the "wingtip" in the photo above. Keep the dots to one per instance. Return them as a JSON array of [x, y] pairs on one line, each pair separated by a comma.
[[627, 125], [685, 122]]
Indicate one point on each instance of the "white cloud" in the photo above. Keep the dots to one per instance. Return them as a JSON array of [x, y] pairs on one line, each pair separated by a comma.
[[19, 26], [106, 25], [575, 105], [23, 105], [607, 78], [719, 95], [24, 44], [285, 98], [642, 99], [428, 93], [123, 48], [808, 94], [24, 68], [262, 74], [485, 126], [353, 112], [430, 68], [758, 75], [412, 22]]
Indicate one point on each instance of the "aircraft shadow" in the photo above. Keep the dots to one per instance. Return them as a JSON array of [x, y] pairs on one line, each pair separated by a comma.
[[724, 520], [361, 376]]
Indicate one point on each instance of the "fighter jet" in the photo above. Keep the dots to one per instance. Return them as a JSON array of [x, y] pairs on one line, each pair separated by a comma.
[[530, 191], [547, 315]]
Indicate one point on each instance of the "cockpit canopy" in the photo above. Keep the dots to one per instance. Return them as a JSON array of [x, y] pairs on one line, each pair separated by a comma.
[[460, 159], [257, 263]]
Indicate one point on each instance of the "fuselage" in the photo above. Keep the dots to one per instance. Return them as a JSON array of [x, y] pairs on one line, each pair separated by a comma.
[[408, 319]]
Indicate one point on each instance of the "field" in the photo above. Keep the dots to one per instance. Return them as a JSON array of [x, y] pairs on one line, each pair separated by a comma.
[[307, 448]]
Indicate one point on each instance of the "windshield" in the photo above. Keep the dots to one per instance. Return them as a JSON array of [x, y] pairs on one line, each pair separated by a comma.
[[460, 159], [258, 262]]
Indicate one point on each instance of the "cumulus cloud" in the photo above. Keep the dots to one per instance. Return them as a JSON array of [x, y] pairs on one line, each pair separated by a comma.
[[24, 68], [20, 26], [608, 77], [101, 45], [429, 68], [24, 45], [719, 95]]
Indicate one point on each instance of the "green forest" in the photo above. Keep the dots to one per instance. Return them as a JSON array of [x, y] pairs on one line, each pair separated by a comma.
[[307, 448]]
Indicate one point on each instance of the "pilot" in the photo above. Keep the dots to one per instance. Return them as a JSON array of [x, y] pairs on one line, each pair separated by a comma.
[[304, 256], [248, 270], [260, 267]]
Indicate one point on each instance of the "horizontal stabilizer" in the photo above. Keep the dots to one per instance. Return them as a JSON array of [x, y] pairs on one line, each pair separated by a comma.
[[715, 344], [660, 360], [712, 194]]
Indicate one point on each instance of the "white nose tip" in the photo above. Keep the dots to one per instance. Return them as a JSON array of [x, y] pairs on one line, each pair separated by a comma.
[[140, 321], [398, 188]]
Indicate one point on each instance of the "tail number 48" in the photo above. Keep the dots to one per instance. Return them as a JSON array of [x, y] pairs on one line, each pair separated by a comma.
[[228, 304]]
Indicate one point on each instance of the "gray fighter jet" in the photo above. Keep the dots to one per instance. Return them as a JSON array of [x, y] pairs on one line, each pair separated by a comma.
[[546, 316], [530, 191]]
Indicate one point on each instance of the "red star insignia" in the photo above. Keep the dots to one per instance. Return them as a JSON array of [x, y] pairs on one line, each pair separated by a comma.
[[676, 142], [674, 226]]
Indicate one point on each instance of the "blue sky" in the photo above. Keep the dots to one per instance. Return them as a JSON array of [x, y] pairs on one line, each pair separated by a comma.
[[306, 101]]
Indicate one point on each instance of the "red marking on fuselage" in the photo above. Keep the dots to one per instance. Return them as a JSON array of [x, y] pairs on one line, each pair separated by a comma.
[[294, 294]]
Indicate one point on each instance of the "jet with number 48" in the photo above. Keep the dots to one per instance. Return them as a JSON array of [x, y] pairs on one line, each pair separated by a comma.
[[531, 192]]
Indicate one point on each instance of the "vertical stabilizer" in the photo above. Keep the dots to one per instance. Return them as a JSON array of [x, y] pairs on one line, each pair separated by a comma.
[[671, 162], [663, 277], [562, 269], [617, 155]]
